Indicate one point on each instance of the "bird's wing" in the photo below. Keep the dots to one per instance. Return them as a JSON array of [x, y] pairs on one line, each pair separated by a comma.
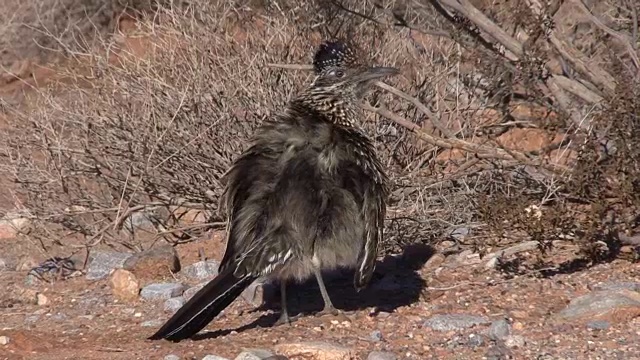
[[256, 243], [246, 180], [373, 192]]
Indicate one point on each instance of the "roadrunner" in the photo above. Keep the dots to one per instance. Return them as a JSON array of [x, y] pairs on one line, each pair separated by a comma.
[[308, 195]]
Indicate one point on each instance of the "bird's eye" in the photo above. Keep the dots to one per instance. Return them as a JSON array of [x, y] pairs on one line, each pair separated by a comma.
[[339, 73]]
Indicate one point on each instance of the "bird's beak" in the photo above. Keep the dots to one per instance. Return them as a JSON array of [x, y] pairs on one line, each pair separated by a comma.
[[373, 73]]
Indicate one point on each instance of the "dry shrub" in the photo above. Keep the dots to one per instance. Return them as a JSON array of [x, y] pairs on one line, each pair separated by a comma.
[[39, 29], [147, 134]]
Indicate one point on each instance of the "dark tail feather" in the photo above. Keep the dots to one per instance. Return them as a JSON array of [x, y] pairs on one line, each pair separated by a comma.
[[204, 306]]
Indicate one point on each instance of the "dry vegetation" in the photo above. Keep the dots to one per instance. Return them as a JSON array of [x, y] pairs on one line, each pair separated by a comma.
[[514, 120]]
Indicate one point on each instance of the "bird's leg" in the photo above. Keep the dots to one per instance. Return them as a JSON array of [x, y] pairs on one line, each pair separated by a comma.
[[284, 314], [328, 305]]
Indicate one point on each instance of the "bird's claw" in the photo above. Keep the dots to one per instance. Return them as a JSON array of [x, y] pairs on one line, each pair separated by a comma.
[[285, 319], [333, 312]]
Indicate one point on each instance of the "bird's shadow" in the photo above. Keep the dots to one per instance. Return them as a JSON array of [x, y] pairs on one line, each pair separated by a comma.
[[395, 283]]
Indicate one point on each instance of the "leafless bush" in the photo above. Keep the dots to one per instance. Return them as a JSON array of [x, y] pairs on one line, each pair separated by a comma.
[[38, 29], [528, 53], [496, 113]]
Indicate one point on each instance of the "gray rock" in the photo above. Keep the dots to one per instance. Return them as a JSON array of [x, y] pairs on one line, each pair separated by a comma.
[[171, 357], [598, 325], [376, 335], [254, 354], [140, 220], [193, 290], [214, 357], [475, 340], [172, 305], [161, 291], [103, 262], [258, 292], [601, 303], [381, 355], [454, 322], [201, 270], [499, 330], [152, 323], [4, 265], [615, 286]]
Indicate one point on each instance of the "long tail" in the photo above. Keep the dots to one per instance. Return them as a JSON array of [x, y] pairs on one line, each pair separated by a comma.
[[204, 306]]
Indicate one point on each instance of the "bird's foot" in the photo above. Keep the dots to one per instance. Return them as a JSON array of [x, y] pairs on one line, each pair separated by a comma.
[[285, 319], [330, 310]]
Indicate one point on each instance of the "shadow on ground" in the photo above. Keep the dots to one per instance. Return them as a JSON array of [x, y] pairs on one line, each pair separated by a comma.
[[395, 283]]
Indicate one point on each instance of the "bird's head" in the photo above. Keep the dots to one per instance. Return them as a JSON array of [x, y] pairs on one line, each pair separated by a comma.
[[341, 80], [350, 82]]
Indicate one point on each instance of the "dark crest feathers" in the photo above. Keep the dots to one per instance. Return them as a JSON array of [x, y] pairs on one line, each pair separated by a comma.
[[333, 53]]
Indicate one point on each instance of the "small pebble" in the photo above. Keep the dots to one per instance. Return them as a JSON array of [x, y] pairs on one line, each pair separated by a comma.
[[151, 323], [513, 341], [499, 330], [214, 357], [172, 357], [598, 325], [376, 335], [42, 299], [254, 354], [381, 355], [4, 340], [475, 340], [59, 317]]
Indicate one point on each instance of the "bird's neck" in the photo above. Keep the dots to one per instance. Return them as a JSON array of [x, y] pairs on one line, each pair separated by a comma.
[[340, 111]]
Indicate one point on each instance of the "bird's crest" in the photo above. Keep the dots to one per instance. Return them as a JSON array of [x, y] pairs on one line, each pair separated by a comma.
[[334, 53]]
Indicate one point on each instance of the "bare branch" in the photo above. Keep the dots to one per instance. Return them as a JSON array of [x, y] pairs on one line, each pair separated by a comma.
[[626, 41]]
